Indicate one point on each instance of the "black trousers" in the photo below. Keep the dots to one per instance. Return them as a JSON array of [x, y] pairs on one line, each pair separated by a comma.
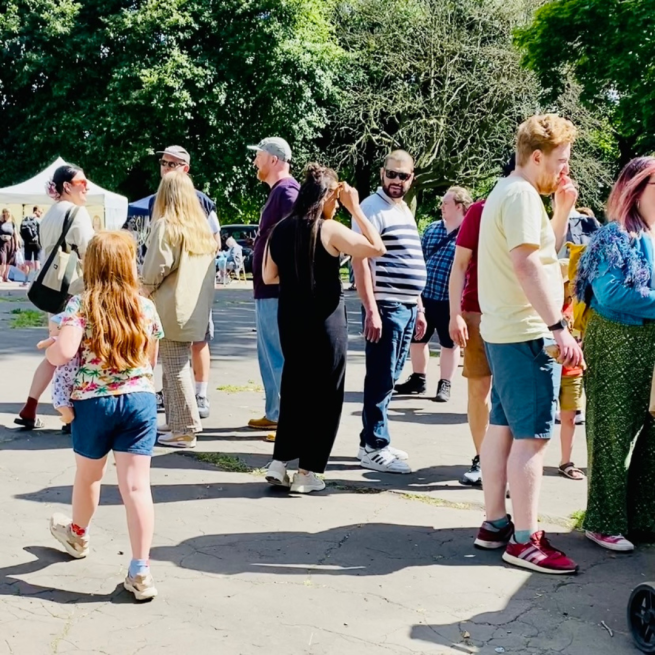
[[312, 389]]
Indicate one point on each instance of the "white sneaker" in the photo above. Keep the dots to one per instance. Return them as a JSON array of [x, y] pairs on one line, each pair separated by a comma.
[[384, 460], [399, 454], [177, 440], [277, 475], [580, 418], [305, 484], [612, 542]]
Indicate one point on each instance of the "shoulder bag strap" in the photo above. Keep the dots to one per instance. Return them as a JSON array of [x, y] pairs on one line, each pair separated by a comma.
[[61, 243]]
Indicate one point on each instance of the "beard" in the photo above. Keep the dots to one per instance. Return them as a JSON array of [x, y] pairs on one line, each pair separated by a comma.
[[547, 184], [261, 175], [394, 190]]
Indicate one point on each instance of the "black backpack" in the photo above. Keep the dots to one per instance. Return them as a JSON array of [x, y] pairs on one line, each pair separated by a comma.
[[29, 231]]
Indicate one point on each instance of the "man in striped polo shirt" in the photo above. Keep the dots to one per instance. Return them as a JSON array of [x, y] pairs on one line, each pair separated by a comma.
[[390, 289]]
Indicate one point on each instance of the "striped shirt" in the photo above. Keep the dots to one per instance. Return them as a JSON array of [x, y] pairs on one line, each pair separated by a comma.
[[399, 275]]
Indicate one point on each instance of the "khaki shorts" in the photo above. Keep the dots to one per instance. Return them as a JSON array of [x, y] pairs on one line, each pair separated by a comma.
[[475, 357], [571, 395]]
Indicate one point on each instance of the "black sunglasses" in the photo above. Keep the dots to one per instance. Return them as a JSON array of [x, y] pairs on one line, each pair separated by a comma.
[[170, 164], [392, 175]]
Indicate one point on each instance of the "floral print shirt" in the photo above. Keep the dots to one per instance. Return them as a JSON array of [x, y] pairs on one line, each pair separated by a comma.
[[93, 378]]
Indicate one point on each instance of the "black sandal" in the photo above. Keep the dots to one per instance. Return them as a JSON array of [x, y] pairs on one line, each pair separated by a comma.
[[29, 424], [571, 471]]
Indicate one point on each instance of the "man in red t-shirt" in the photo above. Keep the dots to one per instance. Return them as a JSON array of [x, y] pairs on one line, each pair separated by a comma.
[[465, 331], [464, 328]]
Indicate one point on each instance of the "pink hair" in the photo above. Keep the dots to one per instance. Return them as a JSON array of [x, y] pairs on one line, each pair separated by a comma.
[[51, 190], [623, 203]]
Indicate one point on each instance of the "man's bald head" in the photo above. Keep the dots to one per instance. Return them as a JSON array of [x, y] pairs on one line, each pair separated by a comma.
[[400, 157]]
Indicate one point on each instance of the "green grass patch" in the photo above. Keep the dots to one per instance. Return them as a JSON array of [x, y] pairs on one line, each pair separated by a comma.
[[233, 388], [14, 299], [435, 353], [224, 462], [28, 318], [578, 518]]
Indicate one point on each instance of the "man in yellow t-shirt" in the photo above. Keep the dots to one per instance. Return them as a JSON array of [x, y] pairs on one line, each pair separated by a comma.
[[520, 291]]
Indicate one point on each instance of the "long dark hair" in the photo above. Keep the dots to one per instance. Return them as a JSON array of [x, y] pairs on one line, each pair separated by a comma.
[[307, 212]]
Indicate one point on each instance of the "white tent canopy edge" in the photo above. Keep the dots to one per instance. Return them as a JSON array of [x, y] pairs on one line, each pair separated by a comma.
[[33, 192]]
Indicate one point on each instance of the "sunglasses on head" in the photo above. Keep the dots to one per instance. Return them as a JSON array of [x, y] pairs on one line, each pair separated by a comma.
[[170, 164], [392, 175]]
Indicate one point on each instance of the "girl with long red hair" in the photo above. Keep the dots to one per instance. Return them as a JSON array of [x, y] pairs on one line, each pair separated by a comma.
[[114, 331]]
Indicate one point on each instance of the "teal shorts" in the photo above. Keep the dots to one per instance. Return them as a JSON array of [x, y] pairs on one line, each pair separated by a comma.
[[525, 388]]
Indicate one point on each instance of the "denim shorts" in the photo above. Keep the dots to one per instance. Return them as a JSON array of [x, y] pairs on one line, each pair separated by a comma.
[[125, 424], [525, 389]]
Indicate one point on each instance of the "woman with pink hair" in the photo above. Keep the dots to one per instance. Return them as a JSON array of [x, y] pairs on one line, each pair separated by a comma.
[[615, 278]]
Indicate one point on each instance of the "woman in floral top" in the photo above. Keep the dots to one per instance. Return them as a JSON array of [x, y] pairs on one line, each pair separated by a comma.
[[114, 332]]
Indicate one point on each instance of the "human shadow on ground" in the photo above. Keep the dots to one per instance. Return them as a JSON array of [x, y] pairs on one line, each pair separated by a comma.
[[377, 550], [11, 583], [32, 440], [421, 415]]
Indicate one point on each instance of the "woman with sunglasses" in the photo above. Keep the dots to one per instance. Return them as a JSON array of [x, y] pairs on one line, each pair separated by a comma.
[[68, 188], [302, 255]]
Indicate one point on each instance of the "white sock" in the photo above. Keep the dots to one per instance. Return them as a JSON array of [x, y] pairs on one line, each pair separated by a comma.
[[201, 389]]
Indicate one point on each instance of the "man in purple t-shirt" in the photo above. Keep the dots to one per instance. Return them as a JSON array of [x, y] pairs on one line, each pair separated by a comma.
[[272, 163]]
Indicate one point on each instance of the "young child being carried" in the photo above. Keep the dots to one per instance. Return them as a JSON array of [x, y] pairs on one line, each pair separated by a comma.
[[64, 378]]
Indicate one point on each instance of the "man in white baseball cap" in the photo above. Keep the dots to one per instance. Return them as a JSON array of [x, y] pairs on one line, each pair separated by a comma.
[[272, 164], [276, 147]]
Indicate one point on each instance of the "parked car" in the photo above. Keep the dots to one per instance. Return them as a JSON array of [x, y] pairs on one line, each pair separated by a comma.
[[244, 235]]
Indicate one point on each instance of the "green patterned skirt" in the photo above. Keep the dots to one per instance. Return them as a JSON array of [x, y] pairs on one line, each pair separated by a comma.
[[620, 430]]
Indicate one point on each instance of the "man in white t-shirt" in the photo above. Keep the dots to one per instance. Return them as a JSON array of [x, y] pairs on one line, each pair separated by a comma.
[[390, 289], [521, 296]]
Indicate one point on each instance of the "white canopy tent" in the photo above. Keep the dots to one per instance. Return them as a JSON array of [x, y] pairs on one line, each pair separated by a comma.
[[33, 192]]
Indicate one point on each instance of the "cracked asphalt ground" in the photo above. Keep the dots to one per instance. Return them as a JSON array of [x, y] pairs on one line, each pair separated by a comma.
[[376, 564]]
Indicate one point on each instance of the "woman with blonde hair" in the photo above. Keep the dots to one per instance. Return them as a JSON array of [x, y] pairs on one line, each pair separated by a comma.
[[9, 244], [178, 273], [114, 332]]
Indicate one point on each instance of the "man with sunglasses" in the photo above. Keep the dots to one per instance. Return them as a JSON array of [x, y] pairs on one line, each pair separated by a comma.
[[176, 158], [390, 289]]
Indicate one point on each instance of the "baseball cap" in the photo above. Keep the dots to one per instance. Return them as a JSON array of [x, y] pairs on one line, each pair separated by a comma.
[[275, 146], [176, 151]]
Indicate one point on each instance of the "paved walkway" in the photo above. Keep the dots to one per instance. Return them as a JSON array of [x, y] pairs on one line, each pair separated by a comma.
[[376, 564]]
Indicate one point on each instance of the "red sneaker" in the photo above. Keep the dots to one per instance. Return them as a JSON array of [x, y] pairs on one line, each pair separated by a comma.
[[539, 555], [490, 538]]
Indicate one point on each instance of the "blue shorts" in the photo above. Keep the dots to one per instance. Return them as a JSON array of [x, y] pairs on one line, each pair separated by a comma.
[[525, 388], [124, 424]]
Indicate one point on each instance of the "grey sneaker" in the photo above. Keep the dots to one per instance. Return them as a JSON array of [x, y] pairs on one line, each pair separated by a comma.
[[443, 392], [203, 406], [60, 529], [142, 586]]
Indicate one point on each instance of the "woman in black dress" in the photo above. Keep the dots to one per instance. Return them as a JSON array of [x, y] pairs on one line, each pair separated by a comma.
[[303, 257]]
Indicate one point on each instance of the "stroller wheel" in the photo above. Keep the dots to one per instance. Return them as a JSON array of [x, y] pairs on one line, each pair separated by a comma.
[[641, 617]]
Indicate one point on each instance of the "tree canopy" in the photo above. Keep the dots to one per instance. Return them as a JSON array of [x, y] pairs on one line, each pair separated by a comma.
[[609, 47], [106, 83]]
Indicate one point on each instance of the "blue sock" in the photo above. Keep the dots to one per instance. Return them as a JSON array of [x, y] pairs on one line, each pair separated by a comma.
[[522, 536], [138, 567], [499, 524]]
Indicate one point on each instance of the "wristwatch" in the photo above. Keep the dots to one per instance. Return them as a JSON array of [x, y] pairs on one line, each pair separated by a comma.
[[562, 324]]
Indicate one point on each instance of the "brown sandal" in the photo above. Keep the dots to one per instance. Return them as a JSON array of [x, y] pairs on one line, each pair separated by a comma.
[[571, 471]]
